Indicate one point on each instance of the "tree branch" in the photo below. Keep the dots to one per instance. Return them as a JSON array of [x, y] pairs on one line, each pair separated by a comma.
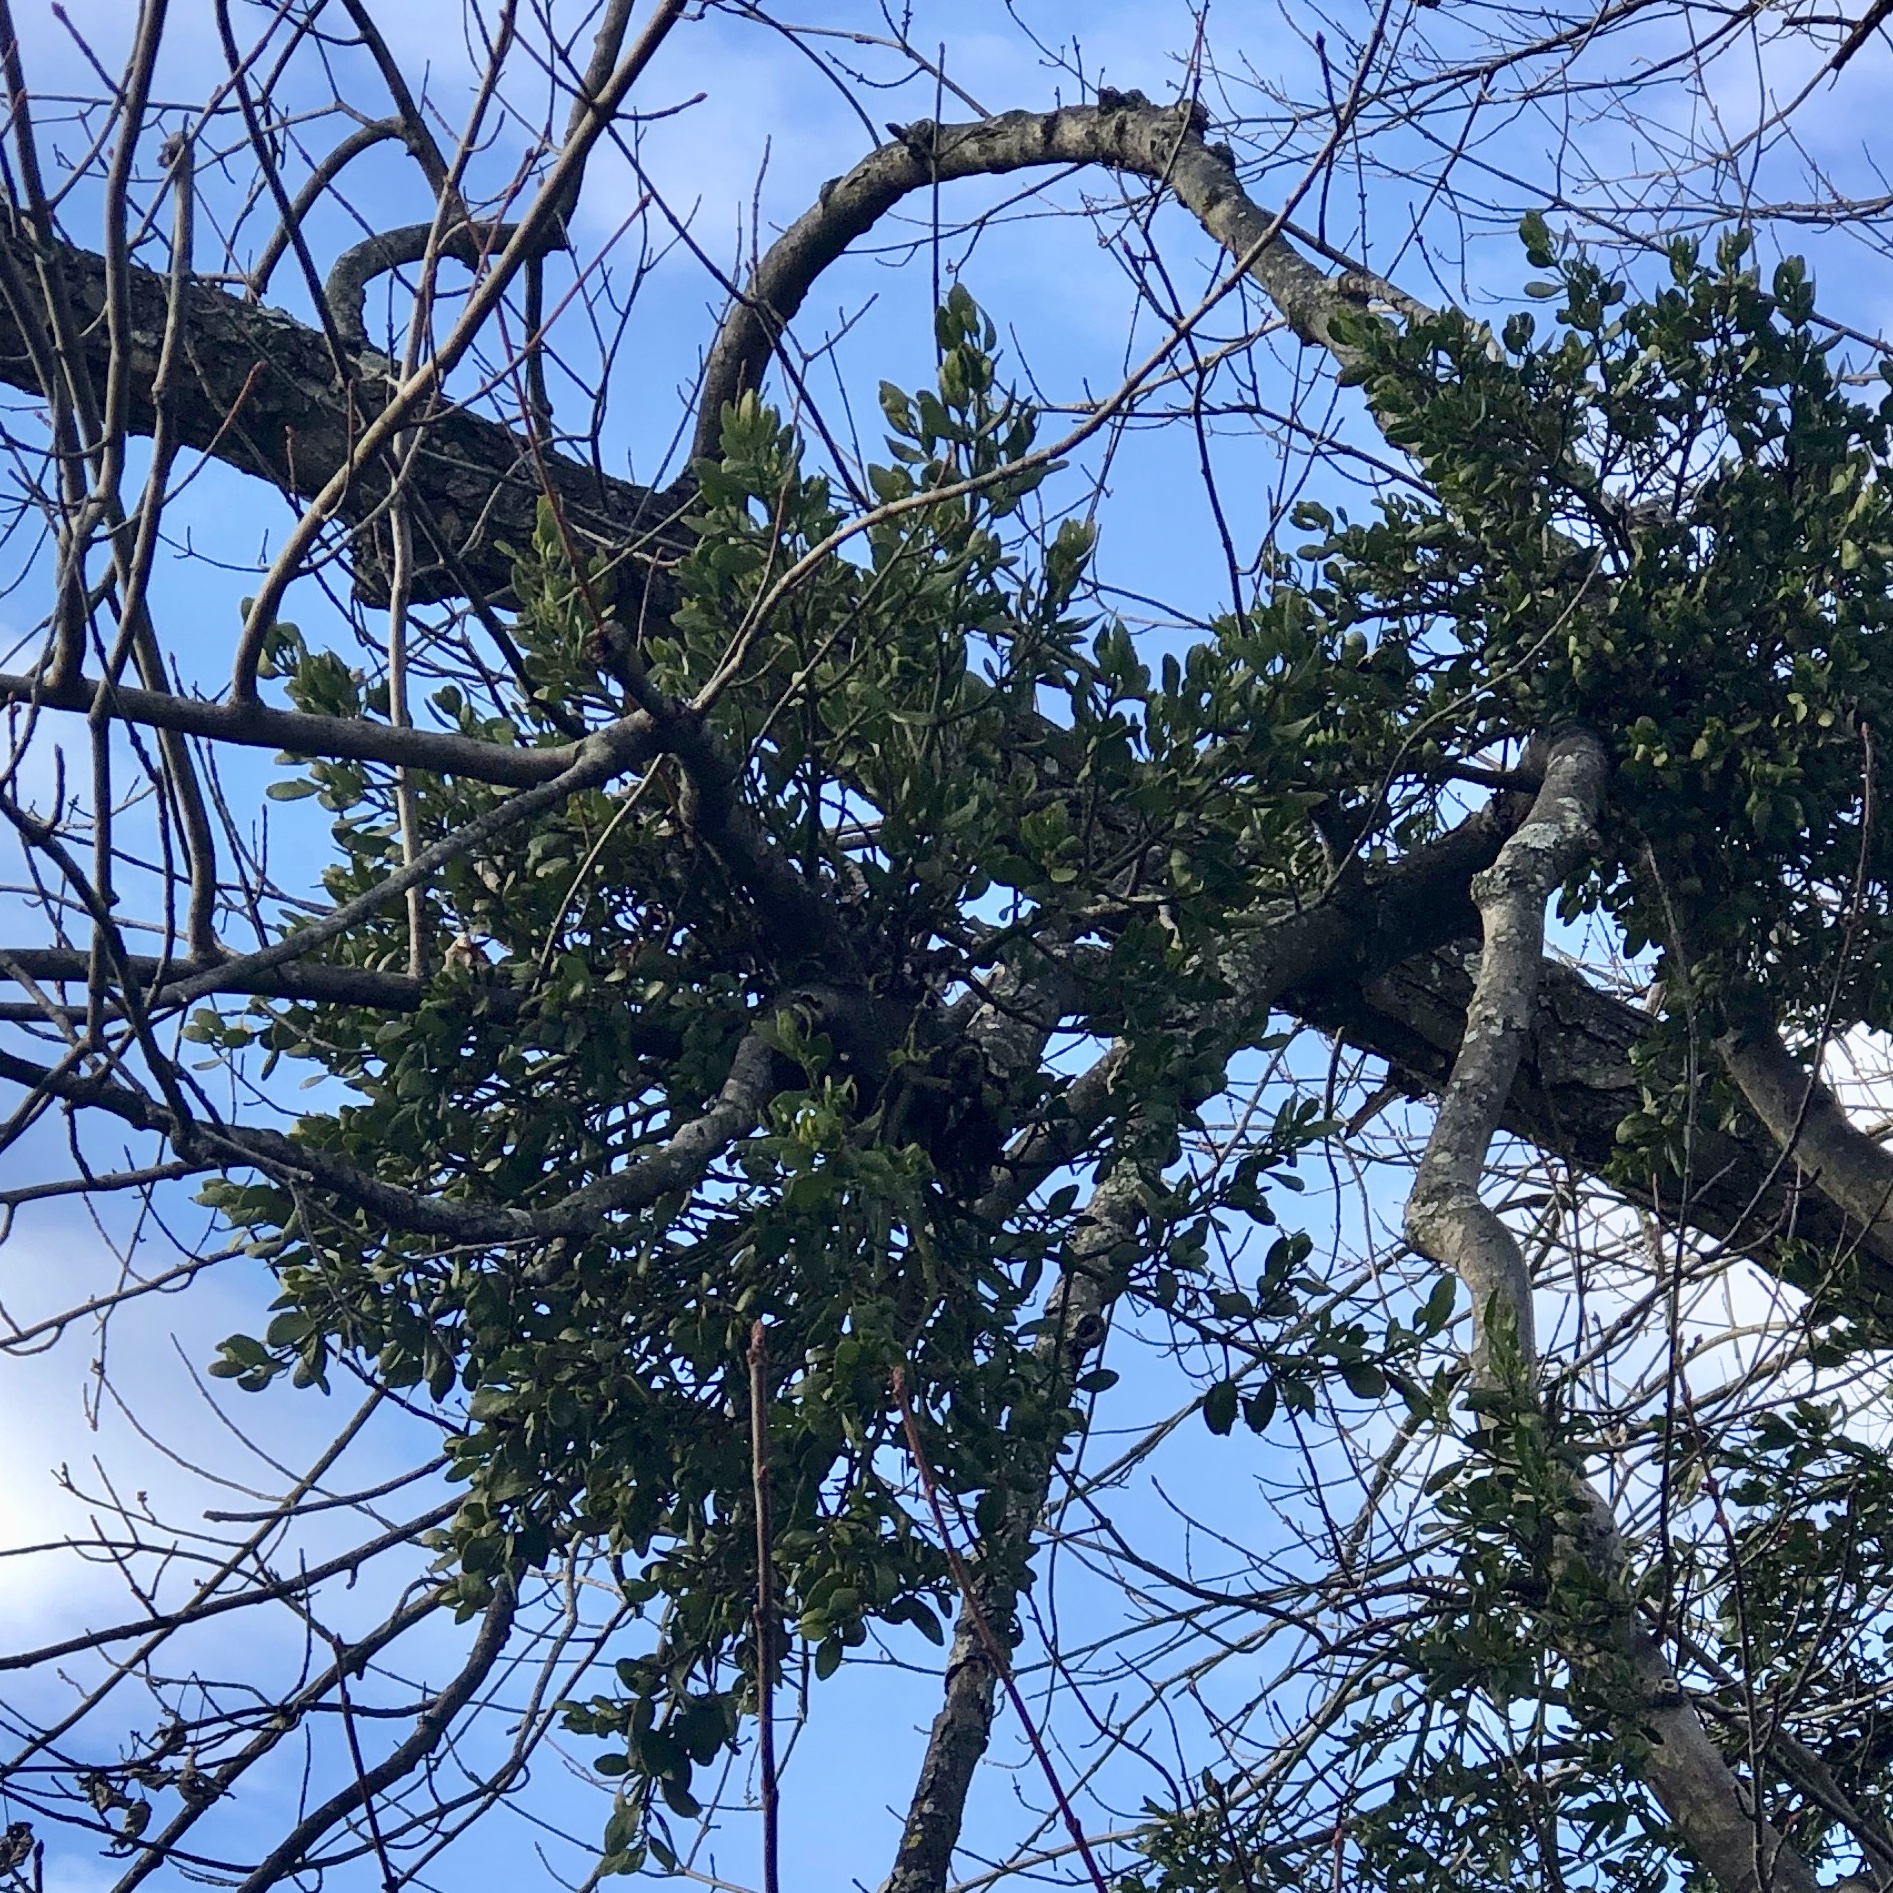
[[1576, 1084], [674, 1164], [345, 288], [1447, 1221], [254, 725], [1075, 1323], [1123, 132], [1445, 1218], [258, 392], [430, 1726], [1809, 1126]]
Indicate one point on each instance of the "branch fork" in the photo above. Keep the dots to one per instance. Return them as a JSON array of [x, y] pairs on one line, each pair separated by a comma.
[[1712, 1810], [1445, 1218]]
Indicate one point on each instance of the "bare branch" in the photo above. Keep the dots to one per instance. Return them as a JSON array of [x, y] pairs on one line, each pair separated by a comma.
[[1123, 132]]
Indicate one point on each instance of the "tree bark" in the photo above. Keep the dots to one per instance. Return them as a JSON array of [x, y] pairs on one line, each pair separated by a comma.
[[1447, 1221], [956, 1743], [257, 390], [1122, 132], [1810, 1128], [1575, 1085]]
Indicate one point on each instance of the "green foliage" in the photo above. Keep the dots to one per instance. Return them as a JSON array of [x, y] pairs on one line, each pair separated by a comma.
[[1664, 520], [595, 1384]]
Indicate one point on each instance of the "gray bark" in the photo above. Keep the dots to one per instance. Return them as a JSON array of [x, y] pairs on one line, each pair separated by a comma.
[[957, 1741], [1810, 1128], [1575, 1085], [1447, 1221], [257, 389], [1123, 132]]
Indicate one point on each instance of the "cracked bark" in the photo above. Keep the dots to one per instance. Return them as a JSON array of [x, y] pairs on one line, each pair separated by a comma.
[[1446, 1221], [257, 390], [260, 395]]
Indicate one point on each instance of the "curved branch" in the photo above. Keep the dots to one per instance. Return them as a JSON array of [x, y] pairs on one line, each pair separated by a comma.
[[1122, 132], [362, 138], [345, 291], [1576, 1083], [1447, 1221], [1445, 1218], [1808, 1124], [418, 392]]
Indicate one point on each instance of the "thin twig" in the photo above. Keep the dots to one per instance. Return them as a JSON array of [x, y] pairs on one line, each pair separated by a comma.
[[765, 1600]]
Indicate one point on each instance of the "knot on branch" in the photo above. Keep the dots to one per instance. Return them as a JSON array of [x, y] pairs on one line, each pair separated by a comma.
[[922, 138], [1194, 112]]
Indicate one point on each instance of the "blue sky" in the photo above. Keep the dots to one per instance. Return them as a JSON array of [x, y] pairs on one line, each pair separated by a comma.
[[768, 130]]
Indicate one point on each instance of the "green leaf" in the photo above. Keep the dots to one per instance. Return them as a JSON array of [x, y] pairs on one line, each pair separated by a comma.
[[1364, 1379]]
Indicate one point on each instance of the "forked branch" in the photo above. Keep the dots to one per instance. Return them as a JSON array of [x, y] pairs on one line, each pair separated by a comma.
[[1447, 1221]]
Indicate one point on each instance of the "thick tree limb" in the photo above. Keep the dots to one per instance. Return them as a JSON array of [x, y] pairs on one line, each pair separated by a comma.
[[1738, 1195], [1575, 1085], [1447, 1220], [420, 389], [1741, 1196], [261, 393], [1809, 1126], [1363, 926], [258, 391]]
